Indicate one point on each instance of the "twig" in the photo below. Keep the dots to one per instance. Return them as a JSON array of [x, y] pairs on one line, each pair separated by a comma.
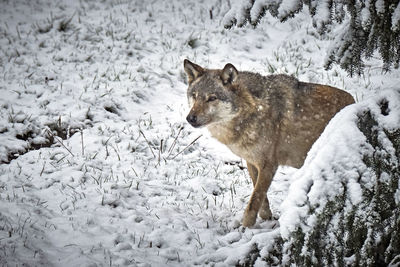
[[180, 152]]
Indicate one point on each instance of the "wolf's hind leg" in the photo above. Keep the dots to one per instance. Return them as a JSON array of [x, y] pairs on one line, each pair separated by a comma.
[[253, 172]]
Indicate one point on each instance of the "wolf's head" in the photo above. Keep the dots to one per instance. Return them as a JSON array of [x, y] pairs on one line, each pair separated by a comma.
[[211, 94]]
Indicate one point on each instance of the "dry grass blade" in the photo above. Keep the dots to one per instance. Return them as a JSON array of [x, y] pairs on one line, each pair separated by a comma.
[[186, 147], [148, 143], [174, 143], [61, 143], [83, 147]]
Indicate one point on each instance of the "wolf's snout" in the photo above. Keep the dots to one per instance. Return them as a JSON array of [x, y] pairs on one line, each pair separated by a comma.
[[192, 119]]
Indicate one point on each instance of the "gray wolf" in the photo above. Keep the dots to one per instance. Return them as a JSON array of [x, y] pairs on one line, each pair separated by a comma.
[[266, 120]]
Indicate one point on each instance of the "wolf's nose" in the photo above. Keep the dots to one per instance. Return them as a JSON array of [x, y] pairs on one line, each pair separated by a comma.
[[192, 119]]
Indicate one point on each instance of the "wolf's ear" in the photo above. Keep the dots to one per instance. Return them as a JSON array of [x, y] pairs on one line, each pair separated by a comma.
[[192, 70], [229, 74]]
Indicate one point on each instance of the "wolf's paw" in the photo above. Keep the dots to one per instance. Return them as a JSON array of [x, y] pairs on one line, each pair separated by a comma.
[[265, 213], [249, 218]]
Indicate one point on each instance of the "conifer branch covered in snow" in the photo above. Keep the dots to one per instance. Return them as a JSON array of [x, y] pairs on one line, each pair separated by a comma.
[[367, 26]]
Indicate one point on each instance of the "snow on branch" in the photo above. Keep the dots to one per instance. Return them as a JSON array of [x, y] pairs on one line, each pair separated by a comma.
[[322, 15], [396, 19], [374, 26], [238, 14], [288, 9], [343, 207]]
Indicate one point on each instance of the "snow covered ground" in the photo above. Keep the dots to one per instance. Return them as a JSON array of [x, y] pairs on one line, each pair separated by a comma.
[[123, 184]]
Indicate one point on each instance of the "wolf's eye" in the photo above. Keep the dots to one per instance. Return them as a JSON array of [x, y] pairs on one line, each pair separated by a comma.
[[211, 98]]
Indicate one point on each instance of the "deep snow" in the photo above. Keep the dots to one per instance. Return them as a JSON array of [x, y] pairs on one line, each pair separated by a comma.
[[108, 76]]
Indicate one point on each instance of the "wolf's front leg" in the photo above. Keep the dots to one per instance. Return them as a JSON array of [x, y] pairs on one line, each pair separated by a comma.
[[258, 196], [265, 212]]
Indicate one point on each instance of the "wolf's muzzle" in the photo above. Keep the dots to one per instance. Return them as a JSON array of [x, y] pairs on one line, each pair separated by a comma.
[[192, 119]]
